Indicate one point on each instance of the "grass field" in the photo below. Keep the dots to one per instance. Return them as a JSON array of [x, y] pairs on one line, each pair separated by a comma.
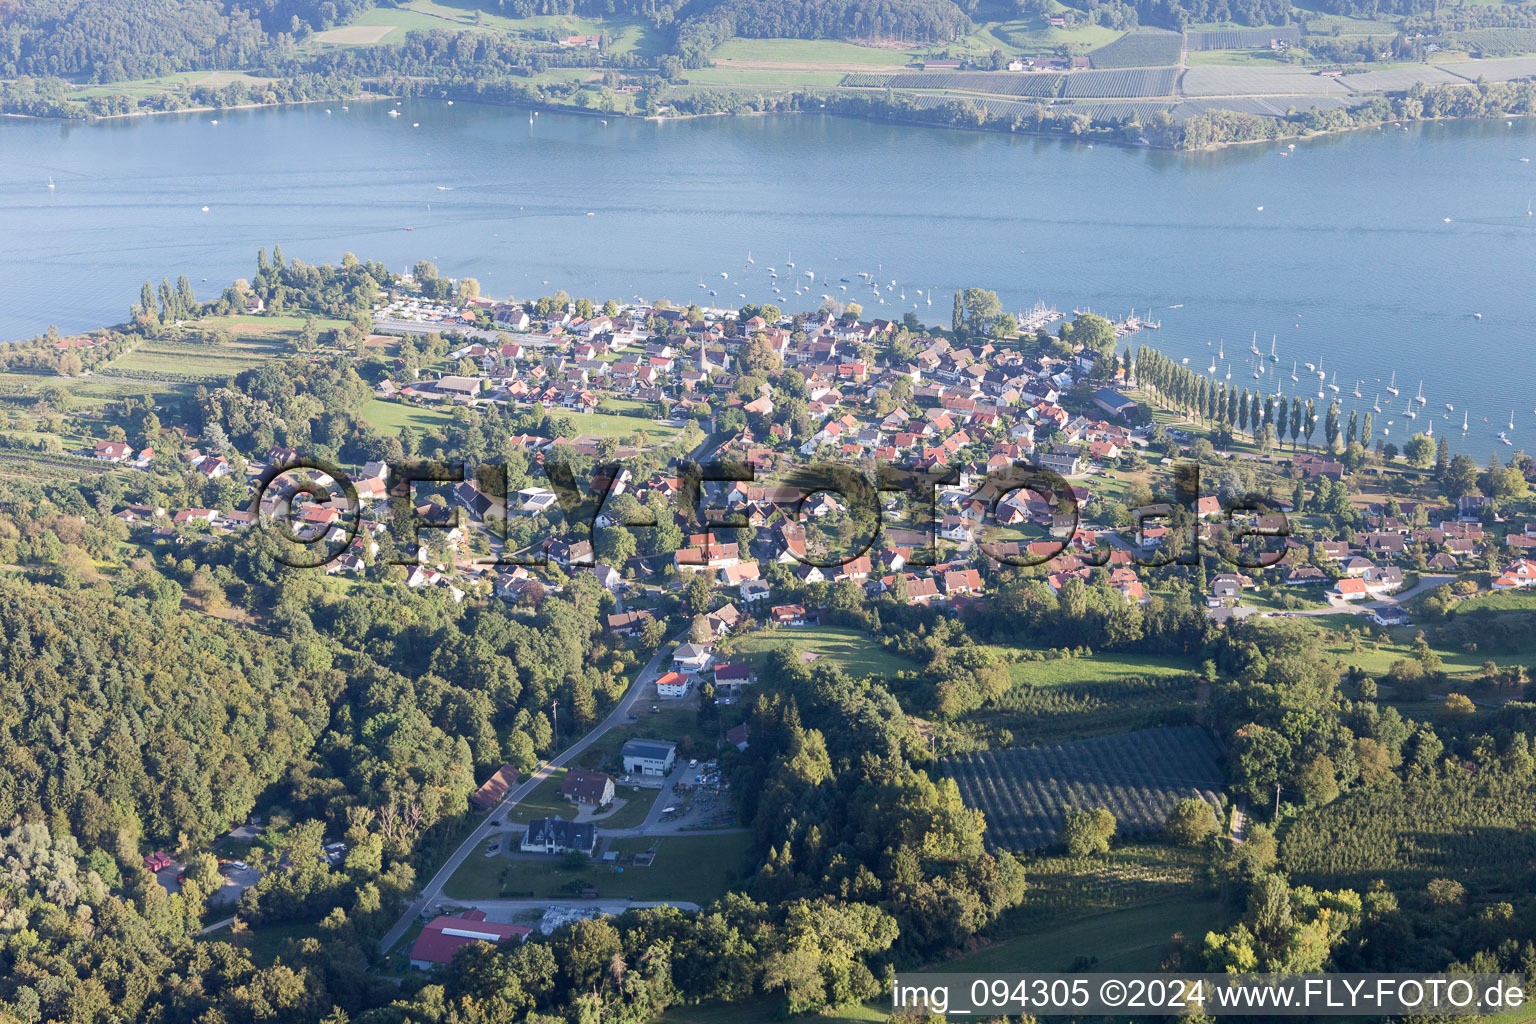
[[735, 1013], [389, 417], [622, 427], [630, 35], [806, 51], [1125, 940], [141, 88], [1101, 668], [843, 648], [697, 869], [190, 358]]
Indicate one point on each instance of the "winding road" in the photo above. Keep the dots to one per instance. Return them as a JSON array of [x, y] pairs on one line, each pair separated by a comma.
[[432, 892]]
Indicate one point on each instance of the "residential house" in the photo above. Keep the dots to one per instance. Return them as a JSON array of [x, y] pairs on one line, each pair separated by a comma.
[[556, 835], [593, 788], [443, 936]]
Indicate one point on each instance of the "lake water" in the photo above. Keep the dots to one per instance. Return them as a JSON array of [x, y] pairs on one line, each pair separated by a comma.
[[1350, 261]]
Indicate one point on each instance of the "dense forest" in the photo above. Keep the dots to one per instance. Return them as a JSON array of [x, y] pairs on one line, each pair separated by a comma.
[[116, 40]]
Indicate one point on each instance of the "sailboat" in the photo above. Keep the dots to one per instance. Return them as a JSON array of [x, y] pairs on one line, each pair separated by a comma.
[[1431, 431], [50, 181], [1392, 385], [750, 260], [1320, 372], [1511, 419], [1357, 388], [1255, 347], [1333, 385], [1420, 396], [1449, 407], [1376, 408], [1463, 421], [1272, 357], [1293, 370]]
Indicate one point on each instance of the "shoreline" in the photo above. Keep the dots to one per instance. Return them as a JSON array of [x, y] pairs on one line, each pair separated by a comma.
[[1107, 137]]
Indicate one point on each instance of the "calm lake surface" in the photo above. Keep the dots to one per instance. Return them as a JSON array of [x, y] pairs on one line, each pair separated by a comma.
[[1350, 261]]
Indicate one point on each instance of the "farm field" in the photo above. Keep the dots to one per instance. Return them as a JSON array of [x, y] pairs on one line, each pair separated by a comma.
[[1146, 48], [838, 646], [1037, 37], [1500, 69], [1138, 776], [1124, 940], [1469, 829], [1075, 698], [1143, 82], [1256, 81], [1240, 38], [1395, 79], [629, 35], [803, 52], [175, 357], [697, 869]]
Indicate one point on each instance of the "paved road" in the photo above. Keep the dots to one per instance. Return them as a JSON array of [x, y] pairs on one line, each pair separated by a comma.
[[1425, 584], [431, 893]]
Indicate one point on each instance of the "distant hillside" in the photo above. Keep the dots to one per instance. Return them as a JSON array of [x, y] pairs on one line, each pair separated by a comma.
[[917, 20], [118, 40]]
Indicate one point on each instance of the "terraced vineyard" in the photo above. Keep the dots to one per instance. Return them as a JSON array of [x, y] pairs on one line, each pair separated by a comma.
[[1241, 38], [1149, 47], [1138, 776], [1125, 83]]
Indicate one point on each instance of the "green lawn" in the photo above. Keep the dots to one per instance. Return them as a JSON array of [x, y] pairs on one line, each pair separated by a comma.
[[808, 51], [389, 417], [767, 1009], [1101, 668], [848, 649], [1125, 940], [638, 801], [545, 801], [178, 357], [743, 77], [622, 427], [697, 869], [630, 35]]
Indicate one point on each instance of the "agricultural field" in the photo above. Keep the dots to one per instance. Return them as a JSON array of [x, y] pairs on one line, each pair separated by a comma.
[[1145, 82], [1138, 776], [1057, 700], [1149, 47], [1122, 940], [1503, 69], [390, 25], [846, 649], [1471, 829], [1003, 83], [192, 359], [808, 51], [1240, 38], [1495, 42], [1257, 81], [1038, 37], [1401, 79]]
